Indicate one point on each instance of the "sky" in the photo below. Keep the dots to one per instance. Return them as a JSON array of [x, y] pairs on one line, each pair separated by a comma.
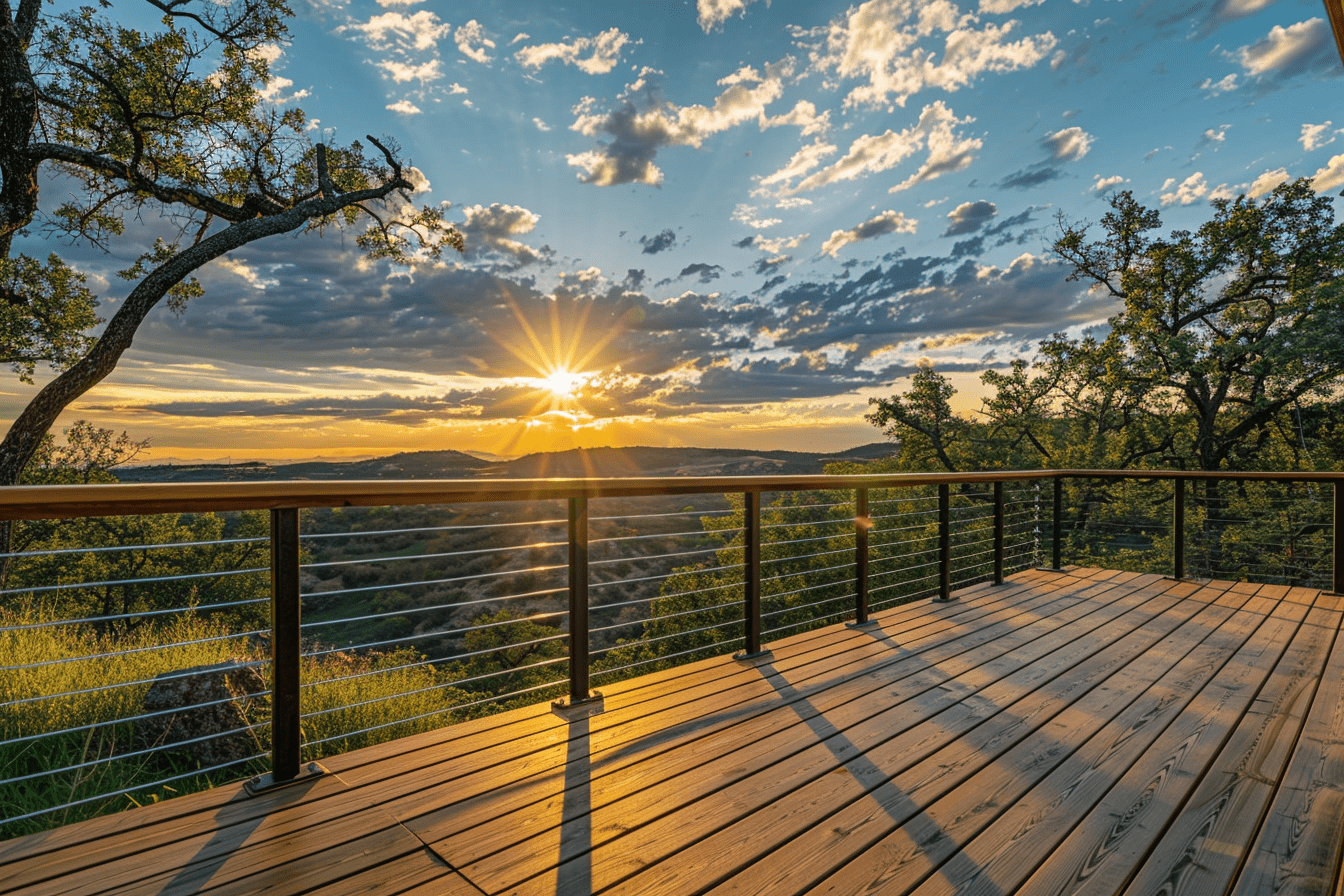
[[724, 223]]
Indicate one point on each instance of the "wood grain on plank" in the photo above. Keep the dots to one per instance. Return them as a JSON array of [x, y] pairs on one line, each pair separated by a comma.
[[754, 815], [877, 851], [445, 811], [1103, 851]]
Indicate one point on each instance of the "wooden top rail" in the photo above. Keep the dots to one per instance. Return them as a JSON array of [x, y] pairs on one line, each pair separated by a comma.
[[125, 499]]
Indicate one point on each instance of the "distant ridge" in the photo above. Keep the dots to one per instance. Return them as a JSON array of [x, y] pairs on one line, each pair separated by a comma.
[[578, 462]]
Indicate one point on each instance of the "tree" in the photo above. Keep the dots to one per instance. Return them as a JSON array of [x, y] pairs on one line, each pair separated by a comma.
[[1230, 326], [169, 126], [1223, 335]]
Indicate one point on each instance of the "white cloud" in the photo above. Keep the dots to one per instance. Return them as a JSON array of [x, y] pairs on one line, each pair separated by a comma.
[[1004, 6], [405, 107], [776, 245], [1223, 191], [1330, 175], [419, 32], [1289, 50], [541, 125], [1214, 88], [879, 42], [1313, 136], [884, 223], [401, 72], [472, 42], [793, 202], [456, 88], [1069, 144], [948, 151], [747, 214], [804, 116], [1189, 191], [1102, 184], [1268, 181], [637, 134], [871, 154], [1216, 135], [713, 13], [603, 52]]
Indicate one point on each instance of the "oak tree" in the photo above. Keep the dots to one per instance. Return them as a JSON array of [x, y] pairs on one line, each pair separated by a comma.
[[170, 126]]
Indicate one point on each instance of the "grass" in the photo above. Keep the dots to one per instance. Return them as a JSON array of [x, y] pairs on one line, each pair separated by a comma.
[[65, 690]]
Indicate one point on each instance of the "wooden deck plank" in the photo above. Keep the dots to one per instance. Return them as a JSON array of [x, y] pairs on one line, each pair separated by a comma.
[[869, 755], [1194, 855], [1135, 695], [449, 809], [1298, 849], [896, 854], [1104, 850], [655, 789], [1001, 857]]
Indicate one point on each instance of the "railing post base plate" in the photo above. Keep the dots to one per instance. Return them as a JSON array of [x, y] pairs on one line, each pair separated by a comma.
[[866, 624], [570, 709], [754, 656], [951, 599], [266, 783]]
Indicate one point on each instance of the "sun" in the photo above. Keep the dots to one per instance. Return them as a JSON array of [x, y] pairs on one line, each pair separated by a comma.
[[563, 383]]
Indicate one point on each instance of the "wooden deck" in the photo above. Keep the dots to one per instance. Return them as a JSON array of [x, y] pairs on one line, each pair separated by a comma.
[[1082, 732]]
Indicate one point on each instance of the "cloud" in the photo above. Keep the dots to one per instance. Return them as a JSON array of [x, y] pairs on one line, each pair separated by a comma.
[[713, 13], [1284, 52], [418, 32], [642, 124], [1225, 84], [874, 153], [1005, 6], [765, 266], [490, 231], [1329, 175], [401, 72], [658, 242], [405, 107], [884, 223], [748, 215], [879, 42], [1189, 191], [1267, 182], [1214, 135], [1102, 184], [705, 272], [603, 52], [1313, 136], [970, 217], [473, 43], [1068, 145]]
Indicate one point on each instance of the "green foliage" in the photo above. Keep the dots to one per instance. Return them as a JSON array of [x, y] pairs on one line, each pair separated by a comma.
[[46, 312], [70, 684]]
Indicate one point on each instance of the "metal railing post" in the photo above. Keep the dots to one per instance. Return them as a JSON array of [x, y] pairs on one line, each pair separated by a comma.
[[1339, 538], [1057, 545], [578, 599], [862, 523], [998, 532], [1178, 531], [286, 736], [751, 561], [944, 542]]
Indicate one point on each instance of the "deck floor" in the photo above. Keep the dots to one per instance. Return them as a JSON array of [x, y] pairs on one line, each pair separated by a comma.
[[1087, 731]]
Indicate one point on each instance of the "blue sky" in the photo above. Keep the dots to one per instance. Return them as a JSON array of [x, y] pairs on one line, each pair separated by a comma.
[[723, 222]]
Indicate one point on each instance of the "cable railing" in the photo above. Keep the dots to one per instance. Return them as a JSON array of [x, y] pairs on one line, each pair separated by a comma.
[[395, 608]]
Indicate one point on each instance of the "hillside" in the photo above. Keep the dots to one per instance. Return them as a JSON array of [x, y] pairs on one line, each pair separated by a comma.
[[574, 463]]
